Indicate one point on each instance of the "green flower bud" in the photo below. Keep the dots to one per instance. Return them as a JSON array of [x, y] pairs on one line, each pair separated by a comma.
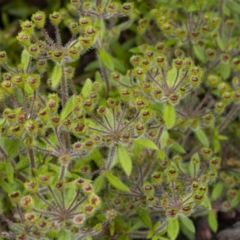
[[15, 196], [187, 209], [86, 42], [7, 87], [213, 80], [75, 3], [27, 26], [112, 7], [88, 208], [16, 130], [3, 57], [59, 185], [157, 178], [26, 202], [39, 19], [198, 198], [161, 61], [74, 53], [30, 217], [206, 152], [220, 107], [34, 50], [45, 179], [42, 65], [42, 224], [73, 27], [31, 127], [55, 18], [127, 7], [64, 159], [55, 120], [34, 81], [24, 38], [56, 55], [148, 189], [79, 219], [172, 212], [31, 186]]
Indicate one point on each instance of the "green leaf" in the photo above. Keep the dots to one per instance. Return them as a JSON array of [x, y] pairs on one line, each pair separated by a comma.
[[98, 183], [193, 8], [187, 222], [161, 154], [221, 43], [56, 75], [68, 108], [207, 203], [202, 137], [112, 228], [233, 6], [5, 186], [116, 182], [224, 70], [9, 172], [212, 221], [11, 146], [64, 234], [147, 143], [173, 228], [217, 190], [25, 58], [235, 201], [169, 116], [199, 52], [87, 88], [177, 147], [124, 159], [106, 59], [144, 216]]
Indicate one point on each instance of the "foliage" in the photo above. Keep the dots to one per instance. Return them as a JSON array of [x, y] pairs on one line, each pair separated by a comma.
[[136, 149]]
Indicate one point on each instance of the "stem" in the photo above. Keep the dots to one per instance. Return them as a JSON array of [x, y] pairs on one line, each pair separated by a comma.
[[63, 171], [110, 160], [55, 198], [104, 72], [49, 204], [228, 117], [74, 200], [32, 161]]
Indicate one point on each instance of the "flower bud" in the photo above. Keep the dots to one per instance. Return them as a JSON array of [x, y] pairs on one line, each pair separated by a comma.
[[39, 19], [24, 38], [55, 18], [15, 196], [187, 209], [79, 219], [172, 212], [74, 53], [3, 57], [30, 217], [31, 127], [31, 186], [73, 27], [27, 26], [64, 159], [26, 202], [34, 81], [127, 7]]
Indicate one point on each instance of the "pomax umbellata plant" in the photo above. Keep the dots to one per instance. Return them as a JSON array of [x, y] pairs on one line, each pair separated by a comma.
[[139, 148]]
